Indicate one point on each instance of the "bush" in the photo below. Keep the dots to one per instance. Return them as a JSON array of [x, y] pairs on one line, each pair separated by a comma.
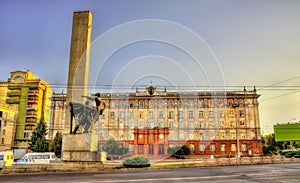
[[136, 162], [290, 154]]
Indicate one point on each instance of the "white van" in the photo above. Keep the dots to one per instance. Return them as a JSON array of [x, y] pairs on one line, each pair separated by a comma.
[[41, 157], [6, 159]]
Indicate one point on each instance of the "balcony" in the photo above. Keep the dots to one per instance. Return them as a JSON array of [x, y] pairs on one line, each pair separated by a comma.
[[33, 92], [13, 93], [32, 99], [31, 114], [32, 107], [30, 121], [12, 100]]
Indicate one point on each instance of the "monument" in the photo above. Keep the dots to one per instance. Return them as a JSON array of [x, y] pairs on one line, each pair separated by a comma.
[[79, 146]]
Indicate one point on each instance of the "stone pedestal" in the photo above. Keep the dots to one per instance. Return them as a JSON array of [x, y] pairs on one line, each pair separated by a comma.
[[80, 147]]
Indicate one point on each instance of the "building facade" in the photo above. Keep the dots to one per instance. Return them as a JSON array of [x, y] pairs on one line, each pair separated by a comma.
[[31, 97], [57, 114], [209, 123], [8, 118]]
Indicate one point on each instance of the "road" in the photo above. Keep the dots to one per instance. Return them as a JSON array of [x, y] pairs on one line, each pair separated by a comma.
[[243, 173]]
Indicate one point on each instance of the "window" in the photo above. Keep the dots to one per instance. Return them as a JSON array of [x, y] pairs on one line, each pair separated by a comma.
[[181, 136], [141, 126], [244, 147], [140, 149], [233, 147], [131, 137], [221, 115], [171, 136], [242, 124], [2, 141], [111, 124], [180, 114], [201, 114], [222, 135], [241, 113], [112, 114], [232, 124], [151, 104], [181, 125], [180, 103], [201, 124], [131, 148], [131, 114], [171, 103], [151, 148], [141, 115], [112, 105], [201, 136], [200, 103], [131, 105], [122, 105], [232, 135], [211, 114], [151, 136], [151, 125], [161, 104], [141, 104], [191, 103], [151, 114], [161, 125], [131, 125], [122, 115], [212, 147], [192, 136], [161, 149], [202, 147], [191, 114], [223, 147], [242, 135], [192, 125], [171, 125], [222, 124], [171, 114], [161, 114]]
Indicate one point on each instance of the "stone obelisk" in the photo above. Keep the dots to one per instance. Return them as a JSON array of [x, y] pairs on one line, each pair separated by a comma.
[[79, 60]]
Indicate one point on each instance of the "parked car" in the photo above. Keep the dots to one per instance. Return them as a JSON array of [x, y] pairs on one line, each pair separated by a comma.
[[22, 161]]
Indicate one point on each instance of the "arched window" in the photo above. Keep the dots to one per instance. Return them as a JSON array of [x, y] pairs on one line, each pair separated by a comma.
[[122, 104], [142, 104], [180, 103], [151, 104], [131, 105], [171, 103]]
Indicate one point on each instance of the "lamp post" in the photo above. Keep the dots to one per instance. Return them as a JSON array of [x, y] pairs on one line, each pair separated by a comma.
[[236, 105]]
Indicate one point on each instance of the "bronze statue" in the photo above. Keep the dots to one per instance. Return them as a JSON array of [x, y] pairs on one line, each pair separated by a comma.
[[85, 114]]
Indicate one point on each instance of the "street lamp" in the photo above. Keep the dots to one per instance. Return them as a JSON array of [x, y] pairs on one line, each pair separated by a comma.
[[236, 105]]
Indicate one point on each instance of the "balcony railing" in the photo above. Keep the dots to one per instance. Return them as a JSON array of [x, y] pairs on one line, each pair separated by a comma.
[[33, 92]]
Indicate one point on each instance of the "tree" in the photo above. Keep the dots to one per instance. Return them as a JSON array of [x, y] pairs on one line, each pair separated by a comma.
[[38, 142], [56, 145], [178, 151], [270, 146], [113, 148], [41, 145]]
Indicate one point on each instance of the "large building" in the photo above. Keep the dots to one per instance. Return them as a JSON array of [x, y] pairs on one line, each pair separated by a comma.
[[209, 123], [30, 96]]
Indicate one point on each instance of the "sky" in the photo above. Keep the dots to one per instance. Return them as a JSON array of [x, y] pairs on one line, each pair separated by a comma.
[[224, 44]]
